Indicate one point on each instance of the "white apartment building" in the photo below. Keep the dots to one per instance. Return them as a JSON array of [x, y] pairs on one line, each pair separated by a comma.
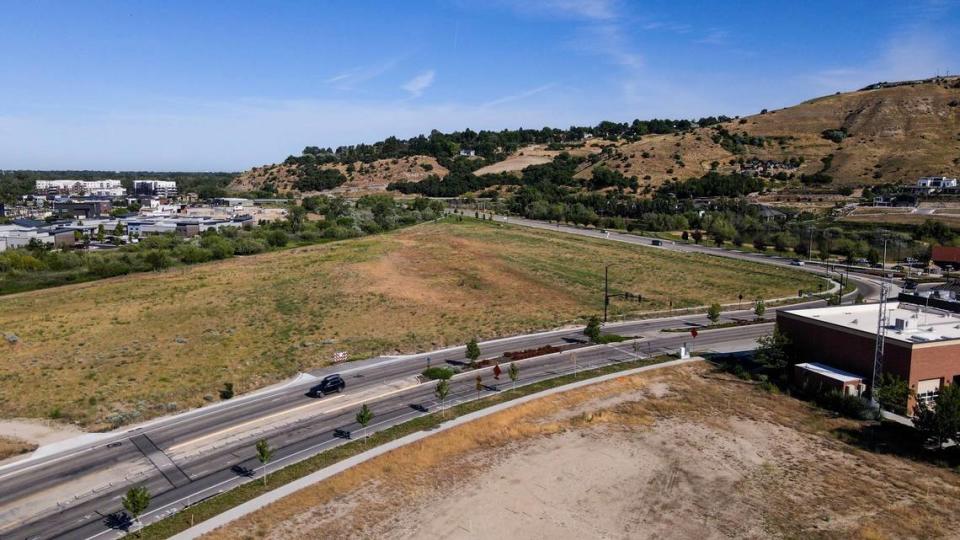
[[155, 188], [95, 188]]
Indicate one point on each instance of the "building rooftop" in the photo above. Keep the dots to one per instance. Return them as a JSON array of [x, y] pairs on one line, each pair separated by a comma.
[[908, 323]]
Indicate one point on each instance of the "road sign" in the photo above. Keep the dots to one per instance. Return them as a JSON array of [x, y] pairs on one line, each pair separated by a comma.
[[340, 356]]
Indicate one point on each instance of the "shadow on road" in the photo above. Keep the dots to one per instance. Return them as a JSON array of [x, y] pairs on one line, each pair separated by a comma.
[[118, 521]]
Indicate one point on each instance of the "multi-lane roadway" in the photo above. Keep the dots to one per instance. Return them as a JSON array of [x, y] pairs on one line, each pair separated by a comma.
[[74, 493]]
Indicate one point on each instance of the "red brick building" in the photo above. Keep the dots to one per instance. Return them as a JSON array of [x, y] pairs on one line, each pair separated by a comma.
[[944, 255], [922, 345]]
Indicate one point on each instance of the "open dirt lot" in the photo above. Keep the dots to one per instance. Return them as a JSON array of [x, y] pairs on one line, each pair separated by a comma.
[[125, 349], [682, 453]]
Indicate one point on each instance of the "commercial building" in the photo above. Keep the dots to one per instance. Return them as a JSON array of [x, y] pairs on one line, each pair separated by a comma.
[[944, 256], [155, 188], [80, 188], [922, 344], [82, 209]]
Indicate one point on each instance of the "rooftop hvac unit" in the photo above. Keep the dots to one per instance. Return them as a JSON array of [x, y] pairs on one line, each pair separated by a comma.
[[904, 324]]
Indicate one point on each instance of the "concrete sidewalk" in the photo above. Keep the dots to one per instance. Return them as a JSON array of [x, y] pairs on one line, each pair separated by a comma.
[[255, 504]]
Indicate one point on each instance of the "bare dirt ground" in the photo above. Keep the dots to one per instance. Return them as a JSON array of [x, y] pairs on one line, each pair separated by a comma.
[[680, 453]]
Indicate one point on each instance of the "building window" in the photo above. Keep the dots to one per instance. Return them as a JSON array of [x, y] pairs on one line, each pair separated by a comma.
[[928, 390]]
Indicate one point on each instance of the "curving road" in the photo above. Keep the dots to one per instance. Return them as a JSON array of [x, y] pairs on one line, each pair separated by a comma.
[[182, 459]]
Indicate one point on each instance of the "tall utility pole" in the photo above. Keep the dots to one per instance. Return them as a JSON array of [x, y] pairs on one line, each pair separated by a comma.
[[881, 332], [810, 246], [606, 290]]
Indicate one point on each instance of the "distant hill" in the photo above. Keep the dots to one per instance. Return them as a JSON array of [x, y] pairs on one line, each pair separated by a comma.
[[884, 133]]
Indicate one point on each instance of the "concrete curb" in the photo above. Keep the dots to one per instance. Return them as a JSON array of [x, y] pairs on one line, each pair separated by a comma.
[[292, 487]]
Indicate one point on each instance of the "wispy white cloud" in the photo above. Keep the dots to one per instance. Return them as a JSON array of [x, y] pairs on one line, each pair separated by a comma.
[[519, 96], [678, 28], [714, 36], [610, 41], [418, 84], [350, 79], [597, 10], [917, 49], [913, 53]]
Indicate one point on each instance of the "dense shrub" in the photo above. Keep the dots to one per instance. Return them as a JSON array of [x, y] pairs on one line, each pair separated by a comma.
[[435, 373], [845, 405], [277, 238]]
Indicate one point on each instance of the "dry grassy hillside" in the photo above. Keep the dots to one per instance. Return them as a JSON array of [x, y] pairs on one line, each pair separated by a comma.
[[894, 135], [370, 177]]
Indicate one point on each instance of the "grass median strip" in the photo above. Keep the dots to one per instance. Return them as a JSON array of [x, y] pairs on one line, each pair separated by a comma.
[[211, 507]]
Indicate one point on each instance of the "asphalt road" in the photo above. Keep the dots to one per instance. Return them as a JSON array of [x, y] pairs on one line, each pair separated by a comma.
[[178, 479], [192, 478]]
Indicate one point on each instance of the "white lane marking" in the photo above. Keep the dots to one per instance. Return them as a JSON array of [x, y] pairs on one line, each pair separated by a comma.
[[251, 422]]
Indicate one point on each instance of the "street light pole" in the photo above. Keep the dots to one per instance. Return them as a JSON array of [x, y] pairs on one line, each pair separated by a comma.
[[606, 290]]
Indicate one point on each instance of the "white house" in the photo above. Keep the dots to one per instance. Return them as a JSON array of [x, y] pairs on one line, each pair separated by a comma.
[[934, 184]]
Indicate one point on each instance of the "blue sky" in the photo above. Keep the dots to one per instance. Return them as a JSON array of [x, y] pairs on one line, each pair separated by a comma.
[[217, 85]]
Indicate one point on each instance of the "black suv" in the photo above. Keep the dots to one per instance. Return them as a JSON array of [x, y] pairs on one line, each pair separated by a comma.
[[329, 384]]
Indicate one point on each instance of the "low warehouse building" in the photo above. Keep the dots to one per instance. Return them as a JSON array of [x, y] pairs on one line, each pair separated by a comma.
[[922, 345], [821, 378]]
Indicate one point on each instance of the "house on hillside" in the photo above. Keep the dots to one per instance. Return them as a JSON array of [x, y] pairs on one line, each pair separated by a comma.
[[468, 152], [934, 184]]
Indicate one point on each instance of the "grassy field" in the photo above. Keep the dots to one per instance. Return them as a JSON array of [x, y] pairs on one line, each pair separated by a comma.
[[951, 220], [121, 350], [683, 452]]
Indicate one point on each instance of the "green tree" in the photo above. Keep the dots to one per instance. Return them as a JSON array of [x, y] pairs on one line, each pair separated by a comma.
[[514, 373], [364, 416], [295, 218], [264, 454], [473, 351], [479, 385], [157, 259], [941, 422], [101, 232], [118, 230], [592, 330], [227, 391], [892, 393], [219, 247], [774, 351], [759, 308], [442, 390], [277, 238], [713, 312], [136, 501]]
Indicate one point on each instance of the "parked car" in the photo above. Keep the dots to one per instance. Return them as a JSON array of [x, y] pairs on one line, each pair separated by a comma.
[[656, 242], [797, 262], [329, 384]]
